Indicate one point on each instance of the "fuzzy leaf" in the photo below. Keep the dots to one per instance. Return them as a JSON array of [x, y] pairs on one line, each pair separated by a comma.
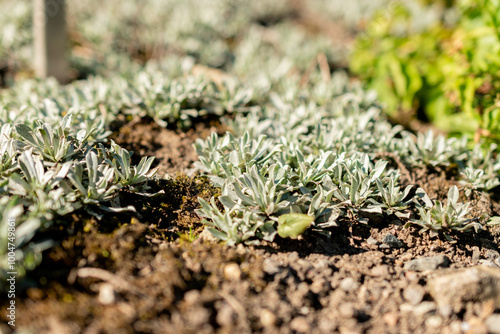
[[291, 225]]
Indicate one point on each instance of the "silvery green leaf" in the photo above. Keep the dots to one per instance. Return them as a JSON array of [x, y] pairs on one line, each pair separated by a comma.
[[403, 215], [26, 133], [364, 221], [407, 191], [495, 220], [81, 135], [421, 194], [328, 217], [227, 202], [217, 181], [217, 234], [453, 196], [129, 208], [372, 209]]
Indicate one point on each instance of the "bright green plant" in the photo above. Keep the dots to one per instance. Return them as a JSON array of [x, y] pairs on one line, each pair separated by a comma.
[[291, 225], [447, 68]]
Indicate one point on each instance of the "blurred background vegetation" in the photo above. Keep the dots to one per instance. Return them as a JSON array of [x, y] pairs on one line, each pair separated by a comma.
[[114, 35], [442, 67], [434, 61]]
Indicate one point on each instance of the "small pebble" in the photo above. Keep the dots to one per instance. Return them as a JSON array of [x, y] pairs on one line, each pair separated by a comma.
[[445, 310], [191, 297], [225, 315], [414, 294], [242, 250], [300, 324], [106, 294], [393, 242], [232, 271], [267, 318], [455, 327], [428, 263], [380, 271], [391, 318], [493, 323], [349, 284], [411, 275], [424, 308], [476, 254], [492, 254], [347, 310], [270, 267], [434, 321]]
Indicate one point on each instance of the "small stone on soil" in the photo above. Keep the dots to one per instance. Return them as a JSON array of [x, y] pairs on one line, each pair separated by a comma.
[[414, 294], [393, 242], [434, 321], [106, 294], [492, 254], [476, 253], [347, 310], [428, 263], [380, 271], [301, 325], [225, 315], [267, 318], [191, 297], [349, 284], [423, 308], [391, 318], [445, 310], [232, 272], [457, 287], [270, 267], [493, 323], [205, 235]]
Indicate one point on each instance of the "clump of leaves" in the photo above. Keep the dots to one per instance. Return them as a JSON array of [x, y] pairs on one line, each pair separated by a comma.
[[437, 217], [50, 171]]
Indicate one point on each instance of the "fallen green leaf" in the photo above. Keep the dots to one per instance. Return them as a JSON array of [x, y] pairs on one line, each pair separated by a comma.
[[291, 225]]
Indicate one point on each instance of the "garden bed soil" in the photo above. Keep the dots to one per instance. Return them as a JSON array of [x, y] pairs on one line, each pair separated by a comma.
[[160, 273]]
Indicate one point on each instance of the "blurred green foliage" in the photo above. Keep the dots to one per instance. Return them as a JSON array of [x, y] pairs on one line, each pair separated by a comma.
[[441, 59]]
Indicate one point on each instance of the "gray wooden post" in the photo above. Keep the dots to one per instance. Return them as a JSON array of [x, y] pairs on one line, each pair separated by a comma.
[[49, 25]]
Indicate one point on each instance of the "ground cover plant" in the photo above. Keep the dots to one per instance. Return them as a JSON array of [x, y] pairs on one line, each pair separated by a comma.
[[227, 174]]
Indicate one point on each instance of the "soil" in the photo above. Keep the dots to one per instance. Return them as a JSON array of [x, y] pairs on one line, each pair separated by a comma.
[[171, 147], [159, 273]]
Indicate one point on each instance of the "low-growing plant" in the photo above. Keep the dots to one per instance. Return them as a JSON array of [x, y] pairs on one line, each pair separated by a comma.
[[125, 172], [394, 201], [52, 173], [438, 217], [54, 144], [334, 166]]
